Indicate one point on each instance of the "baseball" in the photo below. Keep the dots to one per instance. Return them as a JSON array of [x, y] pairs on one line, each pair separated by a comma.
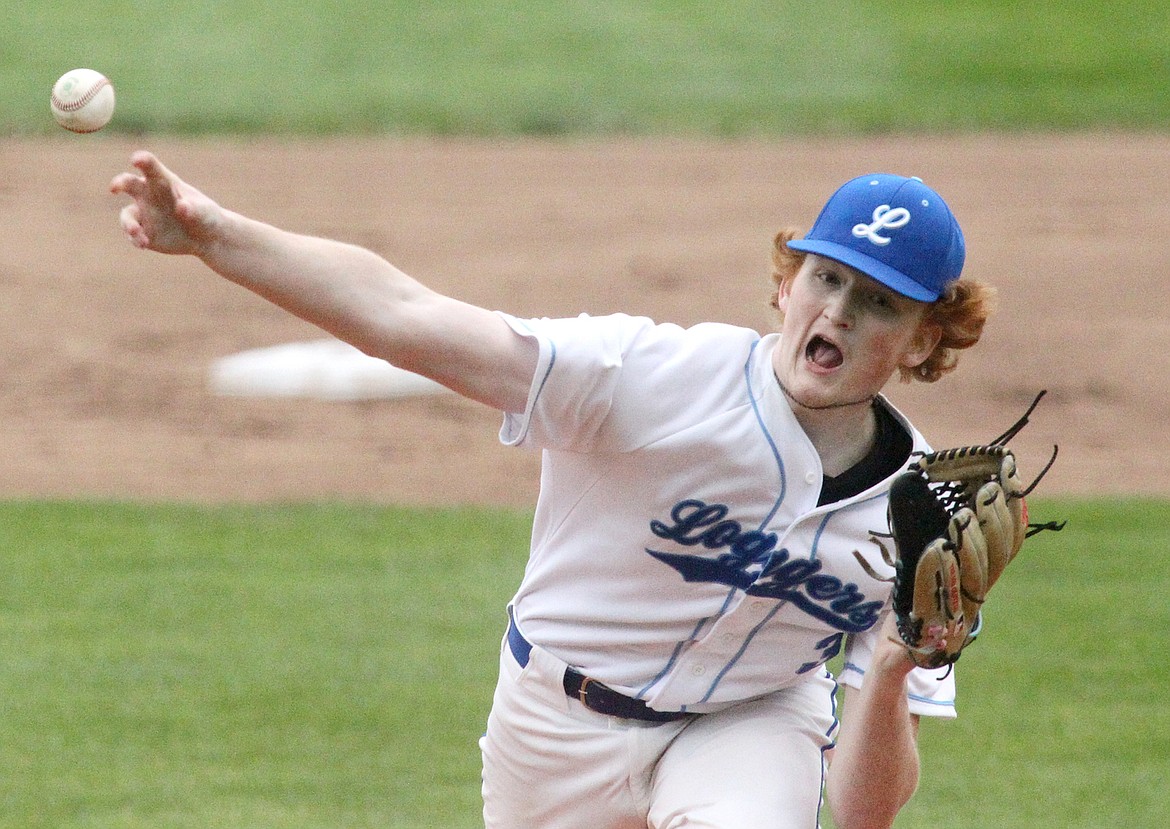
[[82, 100]]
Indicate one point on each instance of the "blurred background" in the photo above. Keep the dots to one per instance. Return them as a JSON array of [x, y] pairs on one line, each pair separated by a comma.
[[265, 612]]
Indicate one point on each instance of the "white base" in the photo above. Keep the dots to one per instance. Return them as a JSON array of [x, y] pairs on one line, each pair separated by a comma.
[[321, 369]]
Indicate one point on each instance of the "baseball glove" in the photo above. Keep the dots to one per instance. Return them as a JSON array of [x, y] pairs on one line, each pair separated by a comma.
[[957, 518]]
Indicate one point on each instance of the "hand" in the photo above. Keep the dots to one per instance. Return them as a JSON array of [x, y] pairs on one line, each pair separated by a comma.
[[891, 654], [167, 214]]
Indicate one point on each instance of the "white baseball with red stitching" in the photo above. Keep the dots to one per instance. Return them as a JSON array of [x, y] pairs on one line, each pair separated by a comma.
[[82, 100]]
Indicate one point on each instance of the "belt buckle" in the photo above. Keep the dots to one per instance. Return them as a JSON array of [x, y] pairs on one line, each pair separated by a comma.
[[583, 693]]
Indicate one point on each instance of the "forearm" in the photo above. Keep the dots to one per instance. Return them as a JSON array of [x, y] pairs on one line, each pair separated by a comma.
[[874, 769], [346, 290]]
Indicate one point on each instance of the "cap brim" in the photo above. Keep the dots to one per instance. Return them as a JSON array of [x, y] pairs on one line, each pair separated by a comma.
[[880, 271]]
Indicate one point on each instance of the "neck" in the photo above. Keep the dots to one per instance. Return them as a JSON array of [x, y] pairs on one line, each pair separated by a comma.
[[842, 433]]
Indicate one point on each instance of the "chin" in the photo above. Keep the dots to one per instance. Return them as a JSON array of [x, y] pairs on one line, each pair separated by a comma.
[[820, 398], [811, 398]]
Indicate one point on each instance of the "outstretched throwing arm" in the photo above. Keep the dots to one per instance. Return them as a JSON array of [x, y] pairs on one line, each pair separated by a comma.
[[346, 290]]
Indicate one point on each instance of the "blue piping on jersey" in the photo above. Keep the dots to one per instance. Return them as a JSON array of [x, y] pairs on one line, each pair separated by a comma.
[[753, 399], [752, 634], [552, 361], [780, 604], [742, 648], [852, 666], [821, 529], [678, 649], [929, 701], [816, 542]]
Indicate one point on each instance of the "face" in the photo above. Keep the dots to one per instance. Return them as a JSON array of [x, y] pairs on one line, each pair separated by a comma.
[[845, 334]]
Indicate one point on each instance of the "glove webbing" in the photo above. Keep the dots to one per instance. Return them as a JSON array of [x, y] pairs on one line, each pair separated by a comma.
[[955, 493]]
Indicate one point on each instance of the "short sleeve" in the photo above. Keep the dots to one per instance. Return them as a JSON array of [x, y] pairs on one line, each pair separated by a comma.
[[573, 386], [931, 693], [614, 383]]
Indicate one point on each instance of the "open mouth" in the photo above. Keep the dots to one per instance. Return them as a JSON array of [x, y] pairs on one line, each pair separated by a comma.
[[823, 353]]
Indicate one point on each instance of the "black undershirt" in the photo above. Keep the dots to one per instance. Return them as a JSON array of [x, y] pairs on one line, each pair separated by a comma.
[[891, 449]]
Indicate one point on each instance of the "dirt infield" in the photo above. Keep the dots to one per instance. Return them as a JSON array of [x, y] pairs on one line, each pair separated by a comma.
[[106, 349]]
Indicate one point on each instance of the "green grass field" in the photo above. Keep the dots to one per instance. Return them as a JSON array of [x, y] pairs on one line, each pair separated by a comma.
[[284, 667], [566, 67], [296, 666], [1062, 721]]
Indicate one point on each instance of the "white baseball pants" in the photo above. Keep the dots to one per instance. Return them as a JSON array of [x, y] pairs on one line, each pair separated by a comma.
[[551, 763]]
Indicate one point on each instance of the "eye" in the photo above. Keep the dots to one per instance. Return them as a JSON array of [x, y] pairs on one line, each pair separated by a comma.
[[884, 302], [829, 277]]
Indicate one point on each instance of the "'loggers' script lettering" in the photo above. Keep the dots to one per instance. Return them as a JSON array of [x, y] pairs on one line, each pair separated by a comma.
[[751, 562]]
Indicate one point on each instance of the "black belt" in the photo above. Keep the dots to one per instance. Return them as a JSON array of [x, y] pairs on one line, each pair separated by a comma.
[[592, 694]]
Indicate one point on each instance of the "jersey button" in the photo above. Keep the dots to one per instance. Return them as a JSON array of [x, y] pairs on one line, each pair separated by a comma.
[[810, 478], [698, 670]]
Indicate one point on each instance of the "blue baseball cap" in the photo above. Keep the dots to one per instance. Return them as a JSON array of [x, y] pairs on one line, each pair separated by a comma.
[[891, 228]]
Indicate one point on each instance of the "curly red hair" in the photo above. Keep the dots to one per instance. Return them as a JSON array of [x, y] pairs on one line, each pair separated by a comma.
[[960, 313]]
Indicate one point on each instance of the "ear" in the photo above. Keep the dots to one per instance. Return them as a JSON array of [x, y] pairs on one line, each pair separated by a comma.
[[782, 293], [925, 340]]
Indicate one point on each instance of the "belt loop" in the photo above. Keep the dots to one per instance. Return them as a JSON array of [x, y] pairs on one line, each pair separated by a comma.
[[576, 685]]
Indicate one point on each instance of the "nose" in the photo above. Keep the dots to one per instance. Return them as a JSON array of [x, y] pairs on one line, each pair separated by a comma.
[[839, 310]]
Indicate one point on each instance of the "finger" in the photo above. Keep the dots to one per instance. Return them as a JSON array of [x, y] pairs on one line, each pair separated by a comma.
[[127, 183], [132, 184], [152, 183], [145, 161], [132, 226], [153, 171]]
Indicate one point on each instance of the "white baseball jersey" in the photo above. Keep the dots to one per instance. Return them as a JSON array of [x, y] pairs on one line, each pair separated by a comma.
[[678, 552]]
